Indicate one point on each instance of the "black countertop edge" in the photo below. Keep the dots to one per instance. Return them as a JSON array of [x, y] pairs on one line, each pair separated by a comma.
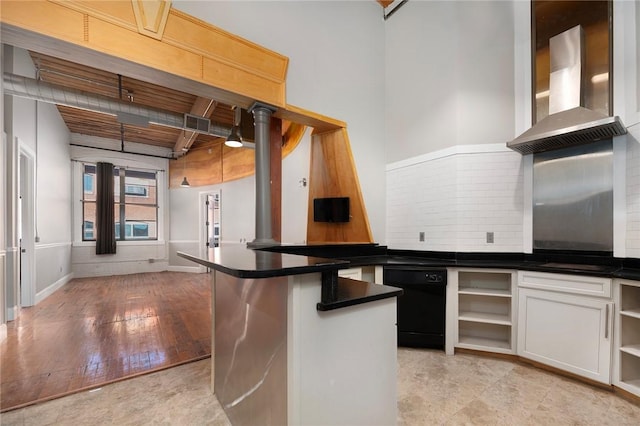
[[602, 264], [354, 292], [244, 268]]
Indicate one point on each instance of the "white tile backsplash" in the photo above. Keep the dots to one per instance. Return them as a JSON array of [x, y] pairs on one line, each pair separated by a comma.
[[455, 200], [633, 193]]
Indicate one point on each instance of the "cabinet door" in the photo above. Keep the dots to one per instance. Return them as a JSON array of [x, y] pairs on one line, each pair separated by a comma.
[[572, 333]]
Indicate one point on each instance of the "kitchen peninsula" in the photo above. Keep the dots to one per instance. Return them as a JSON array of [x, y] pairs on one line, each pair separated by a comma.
[[295, 344]]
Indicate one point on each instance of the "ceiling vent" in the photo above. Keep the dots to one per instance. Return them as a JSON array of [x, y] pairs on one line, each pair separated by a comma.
[[196, 123]]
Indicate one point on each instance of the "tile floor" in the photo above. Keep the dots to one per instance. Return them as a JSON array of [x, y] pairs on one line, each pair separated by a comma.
[[433, 389]]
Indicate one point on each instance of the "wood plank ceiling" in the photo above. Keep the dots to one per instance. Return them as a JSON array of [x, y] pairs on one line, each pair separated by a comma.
[[125, 89]]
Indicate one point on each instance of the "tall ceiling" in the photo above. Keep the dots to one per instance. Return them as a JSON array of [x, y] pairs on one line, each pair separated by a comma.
[[72, 76]]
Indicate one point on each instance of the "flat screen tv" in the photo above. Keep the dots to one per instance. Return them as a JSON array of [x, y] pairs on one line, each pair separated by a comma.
[[334, 209]]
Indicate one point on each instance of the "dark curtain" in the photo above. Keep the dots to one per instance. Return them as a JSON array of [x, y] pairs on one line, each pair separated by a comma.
[[105, 223]]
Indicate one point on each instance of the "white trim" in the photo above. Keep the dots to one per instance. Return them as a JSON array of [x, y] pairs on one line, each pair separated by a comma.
[[122, 243], [183, 242], [191, 269], [447, 152], [53, 245], [3, 332], [27, 227], [12, 312], [620, 196], [41, 295], [527, 208]]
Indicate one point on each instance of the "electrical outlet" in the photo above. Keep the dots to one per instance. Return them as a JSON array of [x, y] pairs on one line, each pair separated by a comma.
[[421, 236], [490, 237]]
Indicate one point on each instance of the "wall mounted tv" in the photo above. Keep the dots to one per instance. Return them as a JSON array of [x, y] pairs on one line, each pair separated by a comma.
[[334, 209]]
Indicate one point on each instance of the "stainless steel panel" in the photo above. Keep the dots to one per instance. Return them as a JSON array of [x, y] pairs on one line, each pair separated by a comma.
[[573, 198], [250, 349], [565, 84]]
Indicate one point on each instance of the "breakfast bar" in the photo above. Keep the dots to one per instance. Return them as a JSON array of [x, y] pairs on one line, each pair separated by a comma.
[[293, 343]]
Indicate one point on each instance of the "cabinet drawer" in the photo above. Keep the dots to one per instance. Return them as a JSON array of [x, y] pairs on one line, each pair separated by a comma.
[[573, 284]]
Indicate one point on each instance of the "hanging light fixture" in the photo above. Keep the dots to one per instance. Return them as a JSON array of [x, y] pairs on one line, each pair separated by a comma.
[[234, 140], [185, 182]]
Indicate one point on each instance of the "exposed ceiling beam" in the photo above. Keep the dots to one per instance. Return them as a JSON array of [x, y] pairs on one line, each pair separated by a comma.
[[202, 107]]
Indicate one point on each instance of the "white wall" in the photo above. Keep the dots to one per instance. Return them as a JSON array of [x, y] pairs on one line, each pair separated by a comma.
[[450, 91], [40, 128], [131, 256], [449, 76], [455, 196], [336, 68]]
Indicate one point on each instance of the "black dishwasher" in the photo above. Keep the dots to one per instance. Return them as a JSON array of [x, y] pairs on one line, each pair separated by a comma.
[[421, 308]]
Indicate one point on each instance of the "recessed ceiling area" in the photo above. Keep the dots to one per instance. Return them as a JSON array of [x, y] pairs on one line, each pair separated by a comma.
[[69, 75]]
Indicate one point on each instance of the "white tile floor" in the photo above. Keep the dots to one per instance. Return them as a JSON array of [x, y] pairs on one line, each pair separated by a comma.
[[432, 389]]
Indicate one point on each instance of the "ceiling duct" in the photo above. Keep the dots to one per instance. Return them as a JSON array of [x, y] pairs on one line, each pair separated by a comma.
[[569, 123], [196, 123], [128, 112]]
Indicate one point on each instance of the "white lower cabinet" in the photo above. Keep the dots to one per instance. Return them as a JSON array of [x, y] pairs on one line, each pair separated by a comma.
[[627, 362], [484, 305], [565, 330]]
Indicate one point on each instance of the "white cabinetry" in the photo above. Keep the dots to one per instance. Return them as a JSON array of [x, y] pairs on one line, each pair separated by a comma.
[[627, 365], [485, 310], [353, 273], [565, 321]]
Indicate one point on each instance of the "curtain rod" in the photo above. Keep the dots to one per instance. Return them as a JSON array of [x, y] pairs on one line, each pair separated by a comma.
[[73, 160], [124, 152]]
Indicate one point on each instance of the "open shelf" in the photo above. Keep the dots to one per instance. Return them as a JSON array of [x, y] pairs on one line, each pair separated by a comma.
[[485, 310], [496, 283], [632, 350], [485, 292], [629, 337], [634, 313], [485, 317], [487, 343], [484, 336]]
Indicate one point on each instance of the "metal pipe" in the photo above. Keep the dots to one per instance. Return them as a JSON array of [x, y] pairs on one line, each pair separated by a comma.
[[262, 122], [24, 87]]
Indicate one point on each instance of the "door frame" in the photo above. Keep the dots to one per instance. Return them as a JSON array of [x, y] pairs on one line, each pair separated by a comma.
[[27, 227], [202, 229]]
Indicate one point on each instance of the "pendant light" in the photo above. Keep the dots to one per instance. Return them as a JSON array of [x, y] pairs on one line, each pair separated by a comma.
[[185, 182], [234, 140]]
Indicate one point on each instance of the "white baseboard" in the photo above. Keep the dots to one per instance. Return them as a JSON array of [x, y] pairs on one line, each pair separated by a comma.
[[3, 332], [12, 313], [41, 295], [193, 269]]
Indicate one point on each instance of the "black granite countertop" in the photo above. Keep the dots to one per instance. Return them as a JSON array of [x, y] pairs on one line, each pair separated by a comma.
[[243, 262], [577, 263], [353, 292]]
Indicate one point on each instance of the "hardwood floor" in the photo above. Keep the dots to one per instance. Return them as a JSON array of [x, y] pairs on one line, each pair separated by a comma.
[[95, 331]]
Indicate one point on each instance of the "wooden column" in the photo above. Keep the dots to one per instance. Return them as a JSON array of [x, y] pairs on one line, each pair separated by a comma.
[[276, 178]]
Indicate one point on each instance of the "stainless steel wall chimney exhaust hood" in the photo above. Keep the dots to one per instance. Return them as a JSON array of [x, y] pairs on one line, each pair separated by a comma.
[[569, 123]]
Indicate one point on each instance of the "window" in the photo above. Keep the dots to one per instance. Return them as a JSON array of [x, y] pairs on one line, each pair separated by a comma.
[[136, 204]]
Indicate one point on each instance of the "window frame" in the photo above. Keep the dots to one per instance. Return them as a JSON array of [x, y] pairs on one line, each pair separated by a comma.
[[121, 205]]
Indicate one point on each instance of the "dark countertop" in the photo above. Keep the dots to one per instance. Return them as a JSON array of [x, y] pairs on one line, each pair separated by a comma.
[[243, 262], [354, 292], [560, 262]]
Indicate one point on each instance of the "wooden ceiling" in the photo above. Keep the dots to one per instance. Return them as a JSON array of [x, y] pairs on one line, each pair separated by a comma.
[[128, 90]]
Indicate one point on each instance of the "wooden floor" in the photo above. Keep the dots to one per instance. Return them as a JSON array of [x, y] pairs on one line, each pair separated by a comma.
[[94, 331]]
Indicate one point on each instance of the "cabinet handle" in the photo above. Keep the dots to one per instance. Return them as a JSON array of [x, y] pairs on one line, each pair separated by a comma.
[[606, 324]]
